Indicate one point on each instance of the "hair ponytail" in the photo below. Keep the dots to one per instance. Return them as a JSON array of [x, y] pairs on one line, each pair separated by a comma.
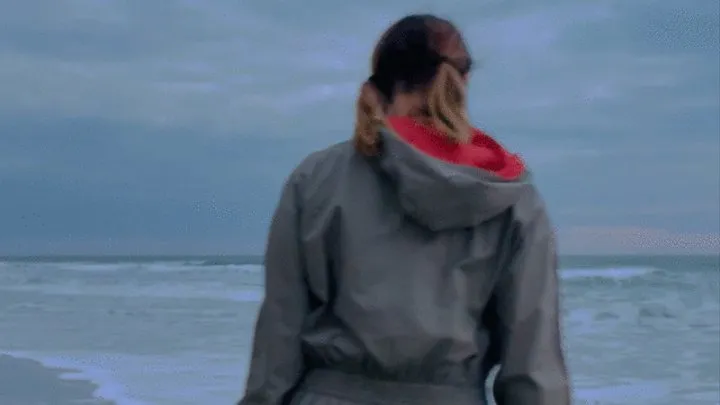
[[447, 104], [369, 119]]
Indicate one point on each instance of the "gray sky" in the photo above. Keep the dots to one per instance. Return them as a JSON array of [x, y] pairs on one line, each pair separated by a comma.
[[168, 127]]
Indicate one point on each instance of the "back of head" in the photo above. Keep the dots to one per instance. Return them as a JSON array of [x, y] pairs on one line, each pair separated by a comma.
[[423, 55]]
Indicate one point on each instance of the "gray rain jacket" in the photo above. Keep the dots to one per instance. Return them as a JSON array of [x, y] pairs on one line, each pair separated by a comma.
[[404, 279]]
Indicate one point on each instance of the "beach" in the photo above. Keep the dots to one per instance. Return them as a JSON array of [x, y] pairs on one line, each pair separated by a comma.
[[29, 382]]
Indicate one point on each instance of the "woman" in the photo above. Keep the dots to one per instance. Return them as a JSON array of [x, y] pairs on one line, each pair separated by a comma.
[[404, 265]]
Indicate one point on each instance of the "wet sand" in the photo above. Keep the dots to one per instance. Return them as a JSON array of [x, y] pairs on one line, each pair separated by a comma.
[[28, 382]]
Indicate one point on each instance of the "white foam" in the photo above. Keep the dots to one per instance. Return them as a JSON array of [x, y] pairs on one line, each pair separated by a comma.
[[610, 273], [251, 268], [108, 387]]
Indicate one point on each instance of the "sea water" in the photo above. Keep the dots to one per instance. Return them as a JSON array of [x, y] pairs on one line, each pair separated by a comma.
[[176, 331]]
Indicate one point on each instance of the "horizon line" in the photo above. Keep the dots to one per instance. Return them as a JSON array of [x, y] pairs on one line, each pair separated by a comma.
[[209, 255]]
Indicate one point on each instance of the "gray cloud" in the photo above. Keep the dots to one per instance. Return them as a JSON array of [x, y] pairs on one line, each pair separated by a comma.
[[147, 126]]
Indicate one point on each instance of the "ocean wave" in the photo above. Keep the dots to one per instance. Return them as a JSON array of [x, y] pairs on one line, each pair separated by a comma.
[[608, 273], [186, 266], [245, 293], [159, 266], [220, 265], [231, 260]]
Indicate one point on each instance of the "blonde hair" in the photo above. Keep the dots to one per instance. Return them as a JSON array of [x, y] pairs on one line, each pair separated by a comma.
[[445, 94]]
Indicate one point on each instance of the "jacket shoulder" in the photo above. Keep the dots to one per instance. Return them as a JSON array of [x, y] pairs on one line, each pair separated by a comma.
[[318, 174], [320, 162], [530, 217], [530, 205]]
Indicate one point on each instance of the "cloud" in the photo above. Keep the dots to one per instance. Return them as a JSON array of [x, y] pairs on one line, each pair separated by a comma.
[[222, 67], [228, 67], [146, 125]]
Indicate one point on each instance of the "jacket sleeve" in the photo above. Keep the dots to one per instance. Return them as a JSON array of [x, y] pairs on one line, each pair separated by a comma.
[[276, 364], [532, 364]]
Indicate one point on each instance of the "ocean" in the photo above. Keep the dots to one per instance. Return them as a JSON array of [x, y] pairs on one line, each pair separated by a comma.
[[177, 330]]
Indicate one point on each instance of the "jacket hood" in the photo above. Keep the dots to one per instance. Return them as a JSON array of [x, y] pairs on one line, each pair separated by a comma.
[[444, 185]]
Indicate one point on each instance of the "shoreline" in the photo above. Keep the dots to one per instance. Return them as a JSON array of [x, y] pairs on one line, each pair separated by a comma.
[[26, 381]]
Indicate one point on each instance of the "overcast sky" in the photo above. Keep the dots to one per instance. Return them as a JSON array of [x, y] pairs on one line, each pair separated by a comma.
[[168, 126]]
